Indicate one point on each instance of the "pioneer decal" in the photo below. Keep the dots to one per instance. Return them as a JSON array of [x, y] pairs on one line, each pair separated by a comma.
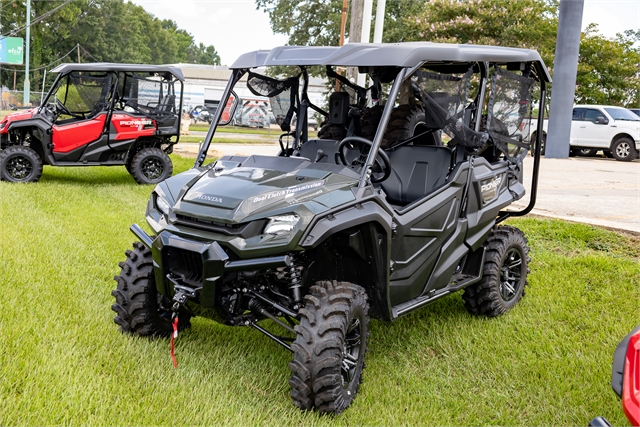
[[136, 122], [288, 192], [489, 188]]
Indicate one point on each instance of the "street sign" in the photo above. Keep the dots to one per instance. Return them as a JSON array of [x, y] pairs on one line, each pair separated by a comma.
[[11, 50]]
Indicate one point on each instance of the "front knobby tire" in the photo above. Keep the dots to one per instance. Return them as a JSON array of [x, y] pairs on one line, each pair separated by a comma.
[[20, 164], [504, 274], [151, 166], [329, 350], [139, 308]]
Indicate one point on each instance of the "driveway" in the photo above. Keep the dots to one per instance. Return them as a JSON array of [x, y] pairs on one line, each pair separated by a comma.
[[593, 190]]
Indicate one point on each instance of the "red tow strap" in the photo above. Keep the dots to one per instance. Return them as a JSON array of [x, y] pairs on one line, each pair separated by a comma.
[[173, 337]]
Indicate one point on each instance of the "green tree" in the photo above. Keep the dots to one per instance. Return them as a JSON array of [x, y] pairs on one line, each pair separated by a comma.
[[530, 24], [306, 22], [608, 70], [202, 54], [317, 22], [107, 30]]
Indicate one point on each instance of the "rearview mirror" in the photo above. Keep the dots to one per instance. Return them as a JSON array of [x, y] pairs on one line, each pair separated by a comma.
[[602, 120]]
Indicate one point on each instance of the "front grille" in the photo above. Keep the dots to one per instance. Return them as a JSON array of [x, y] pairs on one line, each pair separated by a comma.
[[185, 264], [245, 230]]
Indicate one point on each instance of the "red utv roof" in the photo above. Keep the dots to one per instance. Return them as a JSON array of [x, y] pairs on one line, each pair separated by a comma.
[[114, 67]]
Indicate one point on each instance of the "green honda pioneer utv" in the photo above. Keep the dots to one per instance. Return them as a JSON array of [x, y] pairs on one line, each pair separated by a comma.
[[395, 204]]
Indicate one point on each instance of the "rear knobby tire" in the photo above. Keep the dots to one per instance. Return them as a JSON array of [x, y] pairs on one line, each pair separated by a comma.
[[331, 131], [370, 120], [624, 150], [504, 276], [405, 122], [151, 166], [329, 350], [139, 308], [20, 164]]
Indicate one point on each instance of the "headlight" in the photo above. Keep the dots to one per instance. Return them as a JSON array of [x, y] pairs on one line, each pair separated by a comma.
[[162, 205], [2, 125], [281, 225]]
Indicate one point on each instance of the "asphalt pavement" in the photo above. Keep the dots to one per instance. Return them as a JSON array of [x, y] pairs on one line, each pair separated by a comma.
[[592, 190]]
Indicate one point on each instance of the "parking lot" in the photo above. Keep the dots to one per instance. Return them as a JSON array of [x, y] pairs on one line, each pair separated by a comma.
[[592, 190]]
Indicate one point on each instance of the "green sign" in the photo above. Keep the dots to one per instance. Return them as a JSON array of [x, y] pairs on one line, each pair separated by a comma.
[[11, 50]]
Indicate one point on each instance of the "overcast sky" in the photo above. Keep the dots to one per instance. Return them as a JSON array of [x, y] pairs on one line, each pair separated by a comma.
[[235, 26]]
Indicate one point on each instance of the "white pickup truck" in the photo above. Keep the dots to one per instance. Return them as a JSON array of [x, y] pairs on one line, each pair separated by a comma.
[[614, 130]]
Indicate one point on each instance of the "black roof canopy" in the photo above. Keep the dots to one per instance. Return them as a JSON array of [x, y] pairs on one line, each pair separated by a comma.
[[409, 54], [114, 67]]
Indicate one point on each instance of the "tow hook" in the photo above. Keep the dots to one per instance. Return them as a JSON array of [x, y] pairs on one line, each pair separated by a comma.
[[182, 294]]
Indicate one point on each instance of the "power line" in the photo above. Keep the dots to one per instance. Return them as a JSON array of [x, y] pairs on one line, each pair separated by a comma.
[[38, 19], [85, 51], [53, 62]]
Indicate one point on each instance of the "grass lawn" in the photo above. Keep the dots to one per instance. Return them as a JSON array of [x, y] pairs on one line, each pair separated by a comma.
[[63, 361]]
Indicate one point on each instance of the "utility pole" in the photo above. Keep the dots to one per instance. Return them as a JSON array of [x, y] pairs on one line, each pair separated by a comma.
[[380, 11], [27, 84], [366, 32], [565, 68], [355, 32], [78, 47], [343, 25], [355, 29]]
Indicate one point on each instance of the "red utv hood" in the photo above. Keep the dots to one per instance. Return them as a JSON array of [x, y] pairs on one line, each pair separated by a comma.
[[15, 117]]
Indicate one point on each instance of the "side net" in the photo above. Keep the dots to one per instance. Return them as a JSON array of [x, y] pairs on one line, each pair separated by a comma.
[[151, 95], [86, 94], [357, 94], [509, 114], [282, 94], [445, 98]]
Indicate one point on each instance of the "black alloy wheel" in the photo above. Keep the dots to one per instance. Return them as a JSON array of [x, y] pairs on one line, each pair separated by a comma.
[[511, 275], [151, 166], [20, 164], [351, 352]]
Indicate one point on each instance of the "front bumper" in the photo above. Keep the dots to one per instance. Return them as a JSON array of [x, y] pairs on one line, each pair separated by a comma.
[[197, 265]]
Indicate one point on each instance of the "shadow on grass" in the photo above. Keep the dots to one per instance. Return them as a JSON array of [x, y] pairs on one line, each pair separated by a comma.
[[88, 175]]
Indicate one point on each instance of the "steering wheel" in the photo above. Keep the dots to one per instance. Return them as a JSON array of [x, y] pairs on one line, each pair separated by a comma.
[[48, 112], [64, 110], [378, 168]]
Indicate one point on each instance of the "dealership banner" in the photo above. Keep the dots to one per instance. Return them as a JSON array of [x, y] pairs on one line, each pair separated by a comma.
[[11, 50]]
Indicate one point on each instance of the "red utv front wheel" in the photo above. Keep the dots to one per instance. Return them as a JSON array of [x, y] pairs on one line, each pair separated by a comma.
[[151, 166], [20, 164]]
